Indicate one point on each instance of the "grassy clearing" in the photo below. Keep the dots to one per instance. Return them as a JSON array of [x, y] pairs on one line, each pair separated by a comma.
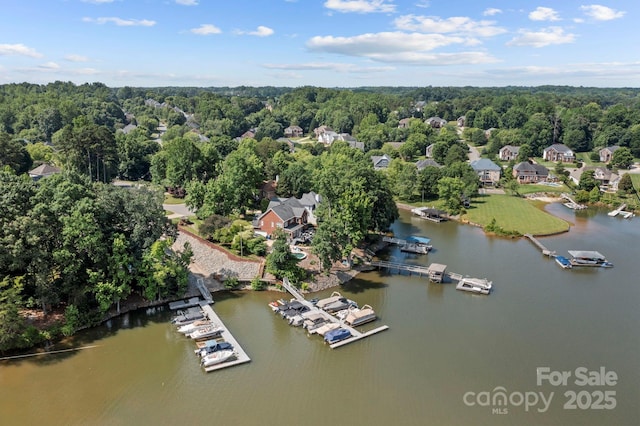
[[635, 178], [170, 199], [534, 188], [514, 214]]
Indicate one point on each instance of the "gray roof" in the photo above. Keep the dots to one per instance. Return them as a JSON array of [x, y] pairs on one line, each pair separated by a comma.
[[559, 148], [514, 149], [587, 254], [422, 164], [484, 164], [44, 170], [286, 208], [309, 199], [612, 148], [525, 166]]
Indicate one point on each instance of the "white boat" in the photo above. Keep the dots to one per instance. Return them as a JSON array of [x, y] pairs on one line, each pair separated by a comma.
[[205, 332], [475, 285], [217, 358], [323, 329], [360, 316], [190, 328], [339, 305]]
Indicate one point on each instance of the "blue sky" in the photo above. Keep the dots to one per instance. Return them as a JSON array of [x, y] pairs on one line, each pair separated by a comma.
[[330, 43]]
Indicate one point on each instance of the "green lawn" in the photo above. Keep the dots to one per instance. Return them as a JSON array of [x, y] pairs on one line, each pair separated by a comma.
[[514, 214], [635, 178], [170, 199], [534, 188]]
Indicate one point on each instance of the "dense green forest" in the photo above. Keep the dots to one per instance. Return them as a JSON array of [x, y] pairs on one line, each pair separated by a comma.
[[74, 241]]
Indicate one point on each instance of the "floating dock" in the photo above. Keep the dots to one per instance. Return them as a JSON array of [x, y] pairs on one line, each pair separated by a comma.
[[417, 269], [241, 355], [418, 245], [620, 211], [355, 334], [429, 213], [571, 203]]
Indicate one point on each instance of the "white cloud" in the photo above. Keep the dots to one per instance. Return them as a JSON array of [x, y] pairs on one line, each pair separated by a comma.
[[360, 6], [544, 14], [187, 2], [491, 11], [206, 29], [49, 66], [329, 66], [601, 13], [455, 25], [544, 37], [76, 58], [423, 4], [85, 71], [19, 50], [402, 47], [121, 22], [261, 31]]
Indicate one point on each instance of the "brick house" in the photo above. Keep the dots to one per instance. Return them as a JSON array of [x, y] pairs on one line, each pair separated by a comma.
[[526, 172], [558, 153], [286, 214]]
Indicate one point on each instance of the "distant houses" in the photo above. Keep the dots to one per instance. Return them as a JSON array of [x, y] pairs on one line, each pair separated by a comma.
[[380, 161], [293, 132], [509, 153], [606, 154], [43, 170], [559, 153], [436, 122], [427, 162]]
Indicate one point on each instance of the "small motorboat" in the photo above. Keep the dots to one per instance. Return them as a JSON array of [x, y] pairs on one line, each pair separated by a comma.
[[312, 319], [294, 308], [191, 327], [563, 262], [220, 346], [337, 335], [217, 358], [275, 305], [187, 317], [475, 285], [206, 332]]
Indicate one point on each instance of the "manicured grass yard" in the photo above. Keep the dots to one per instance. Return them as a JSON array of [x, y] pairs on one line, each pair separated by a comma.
[[170, 199], [514, 214]]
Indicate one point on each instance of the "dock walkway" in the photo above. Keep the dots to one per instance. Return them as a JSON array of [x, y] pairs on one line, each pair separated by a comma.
[[542, 247], [355, 334], [241, 355], [183, 304], [412, 269]]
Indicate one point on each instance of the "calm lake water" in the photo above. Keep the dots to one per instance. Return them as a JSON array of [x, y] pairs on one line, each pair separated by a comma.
[[444, 352]]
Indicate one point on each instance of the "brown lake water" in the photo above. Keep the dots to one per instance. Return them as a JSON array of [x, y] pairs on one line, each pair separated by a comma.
[[445, 352]]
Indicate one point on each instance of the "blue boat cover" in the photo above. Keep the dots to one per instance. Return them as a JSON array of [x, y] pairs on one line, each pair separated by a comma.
[[337, 335], [419, 240]]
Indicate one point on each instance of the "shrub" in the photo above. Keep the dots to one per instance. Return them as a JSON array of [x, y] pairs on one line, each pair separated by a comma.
[[257, 284], [231, 283]]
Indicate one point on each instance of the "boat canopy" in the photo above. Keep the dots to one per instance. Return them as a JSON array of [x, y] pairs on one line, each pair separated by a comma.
[[418, 240], [585, 254]]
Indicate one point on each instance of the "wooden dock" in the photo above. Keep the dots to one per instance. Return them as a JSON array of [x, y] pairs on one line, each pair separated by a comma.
[[542, 247], [241, 355], [412, 269], [355, 334], [620, 211], [206, 294], [571, 203]]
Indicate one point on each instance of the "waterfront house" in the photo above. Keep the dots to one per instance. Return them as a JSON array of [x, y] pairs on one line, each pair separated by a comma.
[[558, 153], [380, 161], [526, 172], [488, 171], [462, 120], [287, 214], [607, 180], [508, 153], [606, 154]]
